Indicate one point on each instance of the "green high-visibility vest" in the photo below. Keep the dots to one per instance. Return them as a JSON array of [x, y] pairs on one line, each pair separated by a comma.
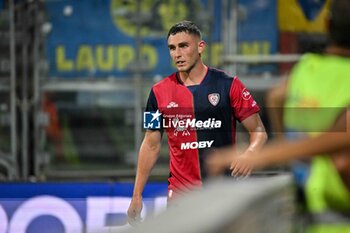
[[318, 92]]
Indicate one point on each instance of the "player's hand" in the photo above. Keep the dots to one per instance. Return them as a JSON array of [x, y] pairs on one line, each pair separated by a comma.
[[218, 161], [134, 211], [242, 165]]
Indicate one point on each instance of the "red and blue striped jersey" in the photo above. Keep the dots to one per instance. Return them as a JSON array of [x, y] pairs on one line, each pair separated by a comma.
[[197, 118]]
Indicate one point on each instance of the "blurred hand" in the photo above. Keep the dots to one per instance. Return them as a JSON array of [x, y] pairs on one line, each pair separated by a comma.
[[218, 161], [134, 211], [222, 159], [242, 165]]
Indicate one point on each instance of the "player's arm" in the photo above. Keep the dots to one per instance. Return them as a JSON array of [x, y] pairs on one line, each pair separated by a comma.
[[275, 99], [246, 110], [336, 139], [257, 138], [148, 155]]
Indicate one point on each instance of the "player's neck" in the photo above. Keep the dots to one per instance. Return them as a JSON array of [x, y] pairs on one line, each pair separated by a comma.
[[338, 51], [195, 75]]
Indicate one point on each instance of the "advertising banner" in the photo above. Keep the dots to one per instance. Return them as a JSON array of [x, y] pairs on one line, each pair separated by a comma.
[[73, 207], [98, 38]]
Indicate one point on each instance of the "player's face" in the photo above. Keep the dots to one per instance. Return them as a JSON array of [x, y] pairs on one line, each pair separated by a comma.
[[185, 50]]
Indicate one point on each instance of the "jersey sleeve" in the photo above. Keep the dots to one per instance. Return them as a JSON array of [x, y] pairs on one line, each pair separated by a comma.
[[242, 102], [152, 104]]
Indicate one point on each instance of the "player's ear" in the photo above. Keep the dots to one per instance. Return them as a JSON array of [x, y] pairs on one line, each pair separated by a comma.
[[201, 46]]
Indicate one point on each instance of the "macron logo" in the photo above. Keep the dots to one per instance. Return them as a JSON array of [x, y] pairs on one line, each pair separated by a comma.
[[172, 105], [196, 145]]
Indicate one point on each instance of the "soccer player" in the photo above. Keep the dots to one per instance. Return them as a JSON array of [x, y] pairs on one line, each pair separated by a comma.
[[198, 107]]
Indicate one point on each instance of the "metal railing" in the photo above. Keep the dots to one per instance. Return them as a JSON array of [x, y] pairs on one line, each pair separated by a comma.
[[9, 160], [273, 58]]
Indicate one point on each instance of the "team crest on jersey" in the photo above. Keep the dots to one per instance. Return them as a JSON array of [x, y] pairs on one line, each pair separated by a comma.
[[214, 98]]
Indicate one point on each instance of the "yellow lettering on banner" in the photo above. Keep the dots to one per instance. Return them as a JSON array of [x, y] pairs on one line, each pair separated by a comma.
[[149, 54], [255, 47], [125, 55], [85, 58], [216, 53], [62, 63], [217, 50], [266, 48], [122, 22], [170, 11], [249, 48], [104, 57], [166, 13]]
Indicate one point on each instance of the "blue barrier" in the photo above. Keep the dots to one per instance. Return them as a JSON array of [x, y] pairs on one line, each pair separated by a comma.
[[72, 207]]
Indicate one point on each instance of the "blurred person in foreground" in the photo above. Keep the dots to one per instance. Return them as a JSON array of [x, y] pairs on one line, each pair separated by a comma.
[[335, 142], [201, 105], [328, 185], [316, 114]]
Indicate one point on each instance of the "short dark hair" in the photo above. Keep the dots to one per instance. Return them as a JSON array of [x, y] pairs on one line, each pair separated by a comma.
[[185, 26], [339, 23]]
